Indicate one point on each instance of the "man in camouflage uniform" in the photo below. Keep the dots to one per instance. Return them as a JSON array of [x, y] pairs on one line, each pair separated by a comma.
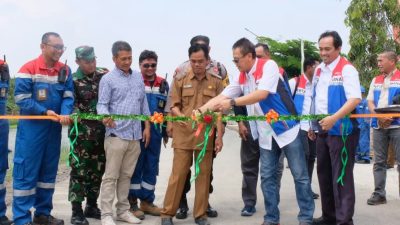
[[218, 70], [86, 174]]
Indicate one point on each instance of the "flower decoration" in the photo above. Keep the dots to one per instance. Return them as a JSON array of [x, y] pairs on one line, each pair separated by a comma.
[[157, 118], [272, 116]]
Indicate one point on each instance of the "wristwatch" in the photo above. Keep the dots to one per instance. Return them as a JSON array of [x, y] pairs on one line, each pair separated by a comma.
[[233, 102]]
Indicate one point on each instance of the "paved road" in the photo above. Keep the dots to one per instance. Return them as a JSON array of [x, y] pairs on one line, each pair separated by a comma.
[[227, 194]]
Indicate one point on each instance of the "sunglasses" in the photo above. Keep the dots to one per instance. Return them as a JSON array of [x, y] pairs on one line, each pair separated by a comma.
[[58, 47], [153, 65]]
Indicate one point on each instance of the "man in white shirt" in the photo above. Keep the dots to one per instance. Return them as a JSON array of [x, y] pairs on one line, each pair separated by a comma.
[[382, 92], [336, 91], [301, 88], [265, 90]]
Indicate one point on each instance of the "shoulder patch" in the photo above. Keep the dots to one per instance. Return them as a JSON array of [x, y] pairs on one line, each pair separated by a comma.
[[102, 70]]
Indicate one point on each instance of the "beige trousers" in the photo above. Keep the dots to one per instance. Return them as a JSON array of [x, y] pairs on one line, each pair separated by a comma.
[[121, 158], [180, 169]]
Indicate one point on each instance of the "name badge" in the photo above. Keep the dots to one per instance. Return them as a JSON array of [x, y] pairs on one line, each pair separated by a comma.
[[3, 92], [187, 86], [161, 104], [42, 95]]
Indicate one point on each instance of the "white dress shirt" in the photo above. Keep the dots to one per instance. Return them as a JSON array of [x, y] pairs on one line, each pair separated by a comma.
[[261, 130]]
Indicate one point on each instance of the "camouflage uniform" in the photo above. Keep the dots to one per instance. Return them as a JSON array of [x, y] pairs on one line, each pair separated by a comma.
[[85, 179]]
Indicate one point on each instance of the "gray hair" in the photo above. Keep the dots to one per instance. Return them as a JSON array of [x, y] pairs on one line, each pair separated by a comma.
[[391, 55], [45, 37], [120, 46]]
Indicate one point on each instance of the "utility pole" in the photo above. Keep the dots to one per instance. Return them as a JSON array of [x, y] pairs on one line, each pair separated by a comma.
[[251, 32]]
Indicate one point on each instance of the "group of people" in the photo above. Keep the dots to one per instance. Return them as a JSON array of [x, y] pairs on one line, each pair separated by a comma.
[[121, 157]]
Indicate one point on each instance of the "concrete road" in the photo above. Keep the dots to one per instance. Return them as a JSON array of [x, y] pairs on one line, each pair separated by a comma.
[[227, 193]]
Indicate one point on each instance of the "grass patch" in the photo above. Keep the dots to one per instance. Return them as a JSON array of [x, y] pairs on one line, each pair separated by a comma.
[[64, 155], [13, 124]]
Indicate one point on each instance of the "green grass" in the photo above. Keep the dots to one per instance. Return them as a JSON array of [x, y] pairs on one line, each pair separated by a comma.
[[64, 155], [13, 124]]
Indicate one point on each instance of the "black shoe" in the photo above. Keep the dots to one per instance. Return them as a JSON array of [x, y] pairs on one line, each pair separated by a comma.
[[47, 220], [78, 218], [167, 221], [5, 221], [363, 161], [323, 221], [211, 212], [248, 211], [92, 212], [376, 199], [315, 195], [182, 212], [201, 221]]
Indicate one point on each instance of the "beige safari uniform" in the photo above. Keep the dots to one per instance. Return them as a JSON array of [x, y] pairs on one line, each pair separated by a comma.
[[189, 93]]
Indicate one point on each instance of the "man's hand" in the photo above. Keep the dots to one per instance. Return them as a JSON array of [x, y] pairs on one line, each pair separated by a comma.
[[65, 120], [109, 122], [146, 136], [311, 135], [223, 105], [56, 117], [385, 122], [218, 145], [169, 129], [327, 122], [243, 131]]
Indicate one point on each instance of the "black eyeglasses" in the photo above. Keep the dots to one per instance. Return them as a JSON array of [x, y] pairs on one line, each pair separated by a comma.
[[57, 47], [236, 60], [153, 65]]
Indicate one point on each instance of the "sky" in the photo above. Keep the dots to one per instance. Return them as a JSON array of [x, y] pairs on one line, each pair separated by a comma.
[[164, 26]]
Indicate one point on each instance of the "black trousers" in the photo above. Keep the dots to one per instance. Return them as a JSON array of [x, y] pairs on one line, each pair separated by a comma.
[[337, 201], [250, 164]]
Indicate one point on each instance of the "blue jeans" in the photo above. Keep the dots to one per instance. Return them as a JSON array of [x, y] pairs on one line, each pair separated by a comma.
[[268, 170]]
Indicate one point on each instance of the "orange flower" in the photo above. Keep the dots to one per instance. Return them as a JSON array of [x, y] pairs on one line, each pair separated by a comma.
[[157, 118], [271, 116]]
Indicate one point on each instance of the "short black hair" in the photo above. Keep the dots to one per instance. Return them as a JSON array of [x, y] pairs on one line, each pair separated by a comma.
[[120, 46], [201, 38], [196, 48], [245, 46], [264, 46], [309, 62], [45, 37], [146, 54], [337, 41]]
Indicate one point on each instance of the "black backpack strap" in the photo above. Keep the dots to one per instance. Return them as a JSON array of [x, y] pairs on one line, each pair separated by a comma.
[[286, 97], [296, 86]]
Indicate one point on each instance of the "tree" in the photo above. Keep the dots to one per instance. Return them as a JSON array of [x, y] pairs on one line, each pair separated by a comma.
[[288, 54], [12, 108], [371, 23]]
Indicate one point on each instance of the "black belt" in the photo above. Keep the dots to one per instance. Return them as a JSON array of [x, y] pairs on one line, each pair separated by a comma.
[[113, 135]]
